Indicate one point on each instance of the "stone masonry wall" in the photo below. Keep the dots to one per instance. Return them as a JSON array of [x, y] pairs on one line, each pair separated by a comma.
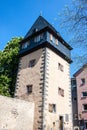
[[16, 114], [35, 76]]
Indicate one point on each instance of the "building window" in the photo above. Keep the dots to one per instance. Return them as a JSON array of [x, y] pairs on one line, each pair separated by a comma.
[[53, 39], [56, 41], [41, 36], [85, 124], [84, 107], [29, 89], [60, 67], [25, 45], [32, 63], [61, 92], [83, 81], [35, 30], [84, 94], [52, 108], [38, 38], [74, 99], [73, 82]]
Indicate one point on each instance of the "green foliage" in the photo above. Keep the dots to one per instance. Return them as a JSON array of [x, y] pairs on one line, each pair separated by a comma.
[[8, 67]]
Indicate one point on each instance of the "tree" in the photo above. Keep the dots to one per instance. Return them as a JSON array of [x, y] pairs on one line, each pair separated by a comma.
[[74, 19], [8, 67]]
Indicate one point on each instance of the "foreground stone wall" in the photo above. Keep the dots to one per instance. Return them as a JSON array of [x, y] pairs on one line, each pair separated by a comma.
[[16, 114]]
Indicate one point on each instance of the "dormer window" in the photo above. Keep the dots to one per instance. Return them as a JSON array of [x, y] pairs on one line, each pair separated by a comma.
[[25, 45], [56, 41], [53, 39], [38, 38]]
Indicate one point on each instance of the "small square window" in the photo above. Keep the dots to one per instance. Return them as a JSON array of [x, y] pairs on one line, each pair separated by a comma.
[[61, 92], [29, 89], [32, 63], [84, 94], [85, 107], [52, 108]]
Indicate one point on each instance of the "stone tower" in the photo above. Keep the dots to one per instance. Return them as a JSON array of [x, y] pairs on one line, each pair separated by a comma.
[[44, 76]]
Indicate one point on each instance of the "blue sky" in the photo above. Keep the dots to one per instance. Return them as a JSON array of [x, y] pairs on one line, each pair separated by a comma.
[[17, 16]]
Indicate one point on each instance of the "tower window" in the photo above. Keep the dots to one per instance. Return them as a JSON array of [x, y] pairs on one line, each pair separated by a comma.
[[38, 38], [29, 89], [60, 67], [61, 92], [52, 108], [25, 45], [51, 37], [56, 41], [32, 63]]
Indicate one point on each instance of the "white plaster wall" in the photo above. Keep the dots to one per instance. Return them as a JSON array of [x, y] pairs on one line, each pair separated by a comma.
[[16, 114], [56, 78]]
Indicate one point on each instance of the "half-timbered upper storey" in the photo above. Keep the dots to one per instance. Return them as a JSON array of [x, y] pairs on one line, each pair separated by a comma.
[[42, 34]]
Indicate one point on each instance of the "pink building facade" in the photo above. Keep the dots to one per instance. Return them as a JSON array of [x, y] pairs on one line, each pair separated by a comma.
[[81, 81]]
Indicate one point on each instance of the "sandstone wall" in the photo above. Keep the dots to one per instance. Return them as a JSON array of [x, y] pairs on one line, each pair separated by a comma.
[[35, 76]]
